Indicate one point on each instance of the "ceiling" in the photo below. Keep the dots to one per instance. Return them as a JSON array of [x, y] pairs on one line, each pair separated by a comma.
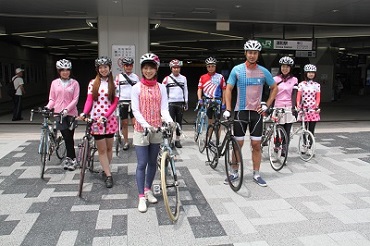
[[187, 28]]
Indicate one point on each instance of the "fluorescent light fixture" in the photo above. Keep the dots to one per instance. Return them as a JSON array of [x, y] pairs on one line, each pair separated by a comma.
[[186, 30], [342, 48], [154, 43], [93, 23], [202, 11]]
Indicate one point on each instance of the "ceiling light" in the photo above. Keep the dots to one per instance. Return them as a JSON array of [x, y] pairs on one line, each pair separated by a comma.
[[202, 11], [93, 23], [335, 10], [342, 48], [238, 6], [186, 30]]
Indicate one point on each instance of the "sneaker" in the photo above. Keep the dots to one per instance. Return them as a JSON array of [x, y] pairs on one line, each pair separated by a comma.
[[126, 146], [73, 165], [232, 177], [142, 205], [109, 182], [259, 181], [66, 163], [178, 144], [150, 197]]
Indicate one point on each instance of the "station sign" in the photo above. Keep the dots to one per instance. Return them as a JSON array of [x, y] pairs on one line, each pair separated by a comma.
[[292, 45], [305, 53]]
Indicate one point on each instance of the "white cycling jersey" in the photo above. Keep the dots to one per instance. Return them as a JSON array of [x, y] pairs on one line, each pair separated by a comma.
[[125, 86], [174, 91]]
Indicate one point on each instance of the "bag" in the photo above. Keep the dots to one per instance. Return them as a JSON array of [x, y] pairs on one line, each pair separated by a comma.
[[10, 90], [179, 85], [128, 79]]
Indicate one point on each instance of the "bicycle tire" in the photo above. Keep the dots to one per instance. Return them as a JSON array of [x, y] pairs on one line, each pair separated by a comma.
[[43, 151], [306, 145], [202, 133], [84, 163], [232, 146], [196, 127], [212, 147], [61, 149], [169, 186], [277, 148]]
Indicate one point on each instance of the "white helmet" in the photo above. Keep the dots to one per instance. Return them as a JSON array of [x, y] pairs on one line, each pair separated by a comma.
[[103, 60], [286, 60], [309, 68], [150, 58], [252, 45], [175, 63], [211, 60], [63, 64]]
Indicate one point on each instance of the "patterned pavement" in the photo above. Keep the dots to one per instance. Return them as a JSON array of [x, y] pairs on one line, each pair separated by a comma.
[[325, 201]]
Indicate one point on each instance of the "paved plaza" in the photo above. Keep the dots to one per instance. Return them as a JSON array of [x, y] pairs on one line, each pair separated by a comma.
[[325, 201]]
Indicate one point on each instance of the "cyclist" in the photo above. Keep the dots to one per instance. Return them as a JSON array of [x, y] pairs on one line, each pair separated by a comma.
[[212, 85], [249, 77], [149, 105], [287, 95], [63, 98], [177, 92], [101, 102], [126, 80], [308, 97]]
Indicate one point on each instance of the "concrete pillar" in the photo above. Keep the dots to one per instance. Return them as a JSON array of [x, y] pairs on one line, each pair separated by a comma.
[[125, 31]]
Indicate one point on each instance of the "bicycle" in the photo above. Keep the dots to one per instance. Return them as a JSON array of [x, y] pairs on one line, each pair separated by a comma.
[[49, 140], [201, 121], [306, 142], [275, 137], [168, 174], [86, 153], [214, 150]]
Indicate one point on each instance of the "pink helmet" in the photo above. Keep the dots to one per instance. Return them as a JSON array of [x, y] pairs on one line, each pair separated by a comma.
[[175, 63], [150, 58]]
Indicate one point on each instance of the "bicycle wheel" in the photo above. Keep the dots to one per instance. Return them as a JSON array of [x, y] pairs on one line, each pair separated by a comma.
[[306, 145], [169, 185], [91, 155], [277, 148], [43, 150], [212, 146], [196, 127], [234, 167], [84, 162], [202, 133], [61, 149]]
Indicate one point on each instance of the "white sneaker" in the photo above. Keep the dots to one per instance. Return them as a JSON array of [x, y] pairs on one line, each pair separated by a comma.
[[73, 165], [142, 205], [150, 197], [67, 161]]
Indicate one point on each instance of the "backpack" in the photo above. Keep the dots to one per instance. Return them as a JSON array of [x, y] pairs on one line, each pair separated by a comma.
[[10, 90]]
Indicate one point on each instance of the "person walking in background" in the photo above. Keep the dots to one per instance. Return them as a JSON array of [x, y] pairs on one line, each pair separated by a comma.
[[308, 97], [63, 98], [249, 78], [287, 95], [101, 102], [150, 106], [177, 92], [19, 92], [126, 80]]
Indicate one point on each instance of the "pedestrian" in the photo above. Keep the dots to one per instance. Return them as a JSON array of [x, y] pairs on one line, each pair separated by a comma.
[[286, 96], [63, 98], [101, 102], [150, 106], [19, 92], [177, 92], [249, 78], [308, 97], [126, 80]]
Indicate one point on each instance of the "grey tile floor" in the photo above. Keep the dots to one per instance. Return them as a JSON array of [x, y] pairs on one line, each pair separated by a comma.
[[325, 201]]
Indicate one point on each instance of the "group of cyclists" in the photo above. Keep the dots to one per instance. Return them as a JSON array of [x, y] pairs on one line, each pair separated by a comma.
[[149, 102]]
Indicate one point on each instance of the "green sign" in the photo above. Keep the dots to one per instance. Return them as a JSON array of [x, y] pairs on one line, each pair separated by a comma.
[[266, 43]]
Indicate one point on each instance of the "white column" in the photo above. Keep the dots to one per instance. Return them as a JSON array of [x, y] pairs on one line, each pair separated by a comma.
[[119, 30]]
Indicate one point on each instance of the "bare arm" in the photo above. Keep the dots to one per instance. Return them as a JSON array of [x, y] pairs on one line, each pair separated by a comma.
[[227, 97]]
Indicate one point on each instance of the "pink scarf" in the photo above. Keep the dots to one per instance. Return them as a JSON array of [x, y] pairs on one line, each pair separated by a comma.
[[147, 82]]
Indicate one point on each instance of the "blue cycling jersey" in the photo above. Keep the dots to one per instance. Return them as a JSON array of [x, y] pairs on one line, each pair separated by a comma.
[[249, 82]]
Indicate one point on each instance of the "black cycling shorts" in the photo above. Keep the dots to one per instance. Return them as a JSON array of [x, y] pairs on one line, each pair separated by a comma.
[[124, 111], [214, 110], [100, 137], [248, 118]]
